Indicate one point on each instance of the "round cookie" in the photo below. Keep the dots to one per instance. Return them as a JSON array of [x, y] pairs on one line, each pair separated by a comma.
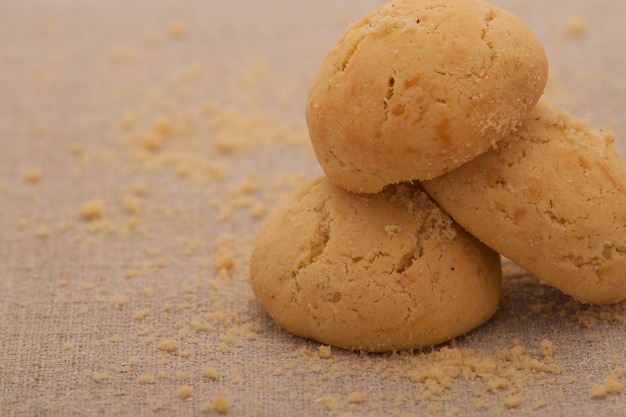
[[379, 272], [419, 87], [552, 198]]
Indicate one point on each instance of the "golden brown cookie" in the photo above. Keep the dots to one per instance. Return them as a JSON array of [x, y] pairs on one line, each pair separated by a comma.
[[372, 272], [552, 198], [419, 87]]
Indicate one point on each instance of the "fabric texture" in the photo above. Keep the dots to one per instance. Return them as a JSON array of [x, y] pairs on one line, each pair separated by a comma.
[[143, 143]]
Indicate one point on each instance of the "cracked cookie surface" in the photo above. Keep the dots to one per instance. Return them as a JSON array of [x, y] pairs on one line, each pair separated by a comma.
[[373, 272], [419, 87], [552, 198]]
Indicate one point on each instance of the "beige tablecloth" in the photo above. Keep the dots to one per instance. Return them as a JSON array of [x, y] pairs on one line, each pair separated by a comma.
[[141, 146]]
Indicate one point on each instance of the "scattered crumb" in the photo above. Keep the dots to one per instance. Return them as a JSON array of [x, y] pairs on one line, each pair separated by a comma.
[[42, 231], [546, 348], [92, 209], [331, 402], [23, 224], [131, 204], [224, 253], [132, 273], [611, 387], [513, 401], [33, 175], [185, 392], [128, 121], [177, 171], [209, 372], [324, 352], [220, 404], [100, 376], [177, 30], [146, 379], [158, 405], [125, 54], [356, 397], [141, 314], [39, 130], [119, 300], [575, 27], [168, 345]]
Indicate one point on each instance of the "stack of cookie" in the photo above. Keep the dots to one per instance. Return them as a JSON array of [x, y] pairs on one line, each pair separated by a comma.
[[439, 158]]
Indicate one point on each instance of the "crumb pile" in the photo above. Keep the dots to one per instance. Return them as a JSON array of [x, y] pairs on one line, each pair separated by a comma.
[[134, 177]]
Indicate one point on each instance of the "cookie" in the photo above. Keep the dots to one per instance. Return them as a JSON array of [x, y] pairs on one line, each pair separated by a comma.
[[552, 198], [419, 87], [372, 272]]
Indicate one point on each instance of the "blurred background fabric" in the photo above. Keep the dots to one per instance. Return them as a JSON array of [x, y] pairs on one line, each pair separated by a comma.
[[143, 143]]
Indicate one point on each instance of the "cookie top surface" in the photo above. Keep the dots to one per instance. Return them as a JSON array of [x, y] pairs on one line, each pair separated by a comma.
[[419, 87], [377, 272], [552, 198]]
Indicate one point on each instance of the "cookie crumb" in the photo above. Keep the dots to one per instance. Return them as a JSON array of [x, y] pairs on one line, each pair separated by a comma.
[[117, 301], [356, 397], [123, 54], [538, 405], [209, 372], [513, 401], [575, 27], [146, 379], [185, 392], [92, 209], [33, 175], [220, 403], [23, 223], [331, 402], [128, 121], [168, 345], [131, 204], [141, 314], [324, 352], [158, 405], [611, 387], [225, 260], [546, 348], [100, 376], [43, 231], [177, 30]]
